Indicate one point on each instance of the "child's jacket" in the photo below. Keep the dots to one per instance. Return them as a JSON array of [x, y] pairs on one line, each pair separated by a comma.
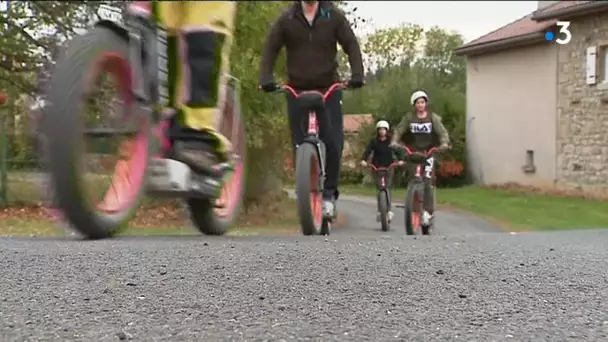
[[383, 154]]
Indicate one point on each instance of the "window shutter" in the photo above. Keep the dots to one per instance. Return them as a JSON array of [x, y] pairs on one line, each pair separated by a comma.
[[591, 65]]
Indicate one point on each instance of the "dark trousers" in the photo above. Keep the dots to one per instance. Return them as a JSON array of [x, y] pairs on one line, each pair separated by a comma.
[[331, 132], [429, 202], [389, 186]]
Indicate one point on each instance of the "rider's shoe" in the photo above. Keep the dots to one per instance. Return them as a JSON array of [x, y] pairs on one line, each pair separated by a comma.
[[390, 216], [202, 155], [329, 208], [426, 218], [195, 154], [198, 156]]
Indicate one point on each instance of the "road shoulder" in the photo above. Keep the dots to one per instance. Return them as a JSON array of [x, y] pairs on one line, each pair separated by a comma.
[[453, 220]]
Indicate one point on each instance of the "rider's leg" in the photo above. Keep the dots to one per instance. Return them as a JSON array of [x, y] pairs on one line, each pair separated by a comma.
[[389, 188], [377, 180], [334, 139], [205, 36], [429, 204], [389, 192], [409, 175], [295, 116]]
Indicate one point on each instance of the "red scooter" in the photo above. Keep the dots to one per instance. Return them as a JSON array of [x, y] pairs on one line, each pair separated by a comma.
[[383, 193]]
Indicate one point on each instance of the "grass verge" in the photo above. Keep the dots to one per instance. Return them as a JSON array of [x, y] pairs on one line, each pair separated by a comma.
[[36, 228], [517, 207], [276, 214]]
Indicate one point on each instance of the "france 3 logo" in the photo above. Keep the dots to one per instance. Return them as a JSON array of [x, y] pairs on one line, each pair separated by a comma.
[[563, 35]]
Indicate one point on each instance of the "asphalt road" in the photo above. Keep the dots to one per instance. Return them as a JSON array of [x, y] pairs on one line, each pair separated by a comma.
[[468, 282]]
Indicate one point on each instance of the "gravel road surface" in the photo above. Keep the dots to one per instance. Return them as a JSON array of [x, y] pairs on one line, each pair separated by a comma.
[[470, 281]]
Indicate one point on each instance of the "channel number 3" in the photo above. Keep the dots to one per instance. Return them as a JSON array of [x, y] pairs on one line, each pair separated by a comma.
[[565, 32]]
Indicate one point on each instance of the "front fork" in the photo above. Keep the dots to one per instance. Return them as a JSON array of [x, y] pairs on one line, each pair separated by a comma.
[[313, 138], [149, 70], [313, 133], [321, 152], [383, 188], [137, 69]]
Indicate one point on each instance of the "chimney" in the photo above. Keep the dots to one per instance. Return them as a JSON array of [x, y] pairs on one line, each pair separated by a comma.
[[544, 4]]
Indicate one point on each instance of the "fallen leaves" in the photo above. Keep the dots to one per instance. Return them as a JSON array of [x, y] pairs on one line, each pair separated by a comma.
[[270, 209], [145, 217], [36, 213], [158, 216], [157, 213]]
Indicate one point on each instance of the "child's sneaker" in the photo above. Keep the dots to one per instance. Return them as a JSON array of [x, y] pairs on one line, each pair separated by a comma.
[[426, 218]]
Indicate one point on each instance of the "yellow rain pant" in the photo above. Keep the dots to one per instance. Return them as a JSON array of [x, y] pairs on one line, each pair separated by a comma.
[[202, 36]]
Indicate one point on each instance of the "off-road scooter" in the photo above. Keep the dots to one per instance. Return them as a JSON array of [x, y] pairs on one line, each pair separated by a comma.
[[131, 48]]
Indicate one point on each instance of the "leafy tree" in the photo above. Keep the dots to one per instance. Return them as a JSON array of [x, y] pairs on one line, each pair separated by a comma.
[[266, 121], [448, 68], [31, 35]]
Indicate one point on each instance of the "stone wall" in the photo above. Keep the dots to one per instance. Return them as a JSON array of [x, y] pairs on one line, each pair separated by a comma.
[[351, 154], [582, 135]]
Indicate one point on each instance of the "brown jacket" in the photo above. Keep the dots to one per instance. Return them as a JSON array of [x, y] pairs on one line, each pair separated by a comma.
[[311, 49]]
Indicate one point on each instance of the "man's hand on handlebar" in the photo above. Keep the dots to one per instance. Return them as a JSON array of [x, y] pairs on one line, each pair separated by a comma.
[[443, 148], [401, 163], [355, 83], [363, 163], [269, 87]]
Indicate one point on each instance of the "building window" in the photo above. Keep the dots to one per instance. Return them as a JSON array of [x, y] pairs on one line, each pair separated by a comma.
[[529, 166], [603, 64]]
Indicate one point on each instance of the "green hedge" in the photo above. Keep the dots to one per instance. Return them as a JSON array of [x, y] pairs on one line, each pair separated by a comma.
[[356, 177]]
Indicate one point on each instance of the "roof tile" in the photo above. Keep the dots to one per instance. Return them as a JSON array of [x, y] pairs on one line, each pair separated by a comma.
[[560, 5]]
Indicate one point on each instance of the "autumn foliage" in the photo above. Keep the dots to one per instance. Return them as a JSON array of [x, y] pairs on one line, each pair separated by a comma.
[[450, 168]]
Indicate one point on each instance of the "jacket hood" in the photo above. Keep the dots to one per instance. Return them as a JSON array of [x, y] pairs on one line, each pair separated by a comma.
[[296, 7]]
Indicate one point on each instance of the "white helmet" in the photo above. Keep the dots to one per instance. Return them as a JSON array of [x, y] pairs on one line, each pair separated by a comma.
[[417, 95], [382, 124]]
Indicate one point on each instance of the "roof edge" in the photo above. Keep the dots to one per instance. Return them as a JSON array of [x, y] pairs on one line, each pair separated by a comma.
[[582, 9], [502, 44]]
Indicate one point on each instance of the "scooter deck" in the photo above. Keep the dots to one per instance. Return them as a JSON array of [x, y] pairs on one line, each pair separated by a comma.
[[172, 178]]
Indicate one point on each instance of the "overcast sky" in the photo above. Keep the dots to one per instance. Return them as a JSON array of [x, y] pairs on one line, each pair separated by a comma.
[[472, 19]]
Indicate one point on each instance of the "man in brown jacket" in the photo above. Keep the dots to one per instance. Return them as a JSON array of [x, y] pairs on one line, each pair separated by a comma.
[[310, 31]]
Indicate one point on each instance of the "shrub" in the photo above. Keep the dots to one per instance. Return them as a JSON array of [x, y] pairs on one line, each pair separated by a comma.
[[351, 176], [450, 173]]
